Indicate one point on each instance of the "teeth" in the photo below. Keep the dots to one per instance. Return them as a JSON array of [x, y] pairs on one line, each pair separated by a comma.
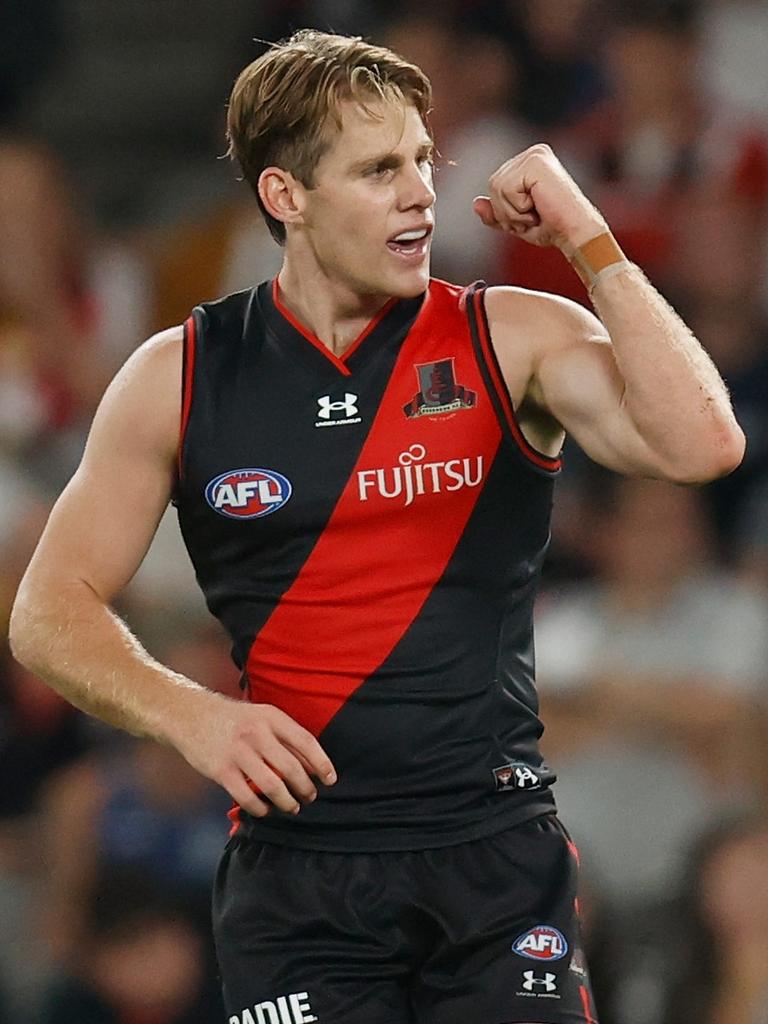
[[411, 236]]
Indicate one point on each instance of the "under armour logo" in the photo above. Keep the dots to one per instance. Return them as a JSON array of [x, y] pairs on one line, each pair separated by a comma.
[[531, 981], [347, 408]]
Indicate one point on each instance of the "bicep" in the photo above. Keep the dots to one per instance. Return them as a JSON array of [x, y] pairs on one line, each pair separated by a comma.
[[579, 384], [103, 523]]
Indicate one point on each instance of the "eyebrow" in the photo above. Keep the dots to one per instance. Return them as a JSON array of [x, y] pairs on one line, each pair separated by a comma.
[[389, 159]]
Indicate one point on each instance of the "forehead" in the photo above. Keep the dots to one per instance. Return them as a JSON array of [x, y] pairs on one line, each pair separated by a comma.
[[375, 129]]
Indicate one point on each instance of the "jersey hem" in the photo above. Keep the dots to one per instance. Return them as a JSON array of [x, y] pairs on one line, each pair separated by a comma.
[[390, 840]]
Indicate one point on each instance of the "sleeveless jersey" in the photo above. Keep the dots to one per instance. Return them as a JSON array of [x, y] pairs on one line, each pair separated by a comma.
[[370, 530]]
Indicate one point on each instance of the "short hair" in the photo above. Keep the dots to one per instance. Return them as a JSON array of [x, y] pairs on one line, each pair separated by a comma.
[[283, 102]]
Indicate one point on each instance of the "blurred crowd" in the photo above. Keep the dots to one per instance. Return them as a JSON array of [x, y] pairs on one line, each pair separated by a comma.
[[118, 214]]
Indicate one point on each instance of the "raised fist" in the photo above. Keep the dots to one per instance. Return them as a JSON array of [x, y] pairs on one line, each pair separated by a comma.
[[533, 196]]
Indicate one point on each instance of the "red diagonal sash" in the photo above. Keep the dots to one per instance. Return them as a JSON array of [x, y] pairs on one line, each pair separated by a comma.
[[378, 559]]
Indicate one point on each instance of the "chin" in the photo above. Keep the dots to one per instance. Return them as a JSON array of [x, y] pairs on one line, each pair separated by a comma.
[[408, 286]]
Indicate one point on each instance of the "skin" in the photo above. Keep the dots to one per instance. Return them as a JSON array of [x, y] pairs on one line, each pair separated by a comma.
[[639, 394]]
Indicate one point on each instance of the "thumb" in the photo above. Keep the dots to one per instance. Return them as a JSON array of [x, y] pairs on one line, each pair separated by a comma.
[[484, 210]]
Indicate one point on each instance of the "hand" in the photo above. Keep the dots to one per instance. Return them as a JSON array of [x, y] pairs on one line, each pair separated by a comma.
[[533, 196], [260, 755]]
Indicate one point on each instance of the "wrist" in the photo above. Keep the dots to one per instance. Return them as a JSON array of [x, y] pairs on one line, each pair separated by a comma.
[[188, 705], [587, 224], [597, 258]]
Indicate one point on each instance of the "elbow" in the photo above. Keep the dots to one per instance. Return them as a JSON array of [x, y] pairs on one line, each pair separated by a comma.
[[722, 455], [21, 630], [18, 633]]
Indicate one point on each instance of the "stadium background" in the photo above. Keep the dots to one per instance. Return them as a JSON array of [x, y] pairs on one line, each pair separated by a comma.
[[118, 213]]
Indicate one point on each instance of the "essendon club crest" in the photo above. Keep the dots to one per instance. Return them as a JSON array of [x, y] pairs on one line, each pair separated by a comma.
[[438, 391]]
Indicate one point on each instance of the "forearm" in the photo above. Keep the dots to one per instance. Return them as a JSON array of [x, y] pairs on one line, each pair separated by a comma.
[[76, 643], [672, 390]]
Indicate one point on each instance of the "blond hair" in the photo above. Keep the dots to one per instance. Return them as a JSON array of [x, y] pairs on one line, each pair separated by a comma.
[[283, 103]]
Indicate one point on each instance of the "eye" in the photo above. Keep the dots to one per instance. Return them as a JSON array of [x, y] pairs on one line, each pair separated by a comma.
[[379, 171]]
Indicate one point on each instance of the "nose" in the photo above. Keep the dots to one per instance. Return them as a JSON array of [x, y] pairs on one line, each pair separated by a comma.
[[417, 191]]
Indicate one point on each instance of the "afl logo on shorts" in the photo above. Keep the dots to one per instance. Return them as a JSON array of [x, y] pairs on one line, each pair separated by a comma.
[[248, 493], [541, 943]]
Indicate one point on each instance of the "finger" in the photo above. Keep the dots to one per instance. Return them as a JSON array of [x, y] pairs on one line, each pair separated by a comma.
[[525, 221], [263, 778], [519, 199], [301, 741], [290, 769], [484, 210], [274, 789], [507, 213], [242, 794], [304, 763]]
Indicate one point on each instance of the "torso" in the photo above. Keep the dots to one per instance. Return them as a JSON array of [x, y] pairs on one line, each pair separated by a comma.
[[370, 530]]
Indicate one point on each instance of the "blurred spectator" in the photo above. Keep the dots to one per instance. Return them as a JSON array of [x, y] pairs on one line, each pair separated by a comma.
[[724, 974], [561, 74], [653, 690], [48, 368], [136, 804], [700, 957], [654, 147], [734, 65], [228, 249], [71, 308], [29, 40], [139, 101], [140, 961]]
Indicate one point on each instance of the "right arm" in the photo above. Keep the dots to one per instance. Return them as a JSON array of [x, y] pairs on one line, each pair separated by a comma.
[[63, 629]]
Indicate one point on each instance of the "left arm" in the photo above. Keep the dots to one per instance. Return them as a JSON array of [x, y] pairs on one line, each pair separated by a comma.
[[637, 391]]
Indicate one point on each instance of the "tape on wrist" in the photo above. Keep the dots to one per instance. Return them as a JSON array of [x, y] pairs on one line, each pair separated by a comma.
[[597, 259]]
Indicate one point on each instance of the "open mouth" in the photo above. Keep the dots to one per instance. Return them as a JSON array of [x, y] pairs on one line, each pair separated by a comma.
[[413, 244]]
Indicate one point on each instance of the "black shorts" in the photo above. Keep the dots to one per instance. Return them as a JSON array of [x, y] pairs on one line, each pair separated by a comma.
[[484, 932]]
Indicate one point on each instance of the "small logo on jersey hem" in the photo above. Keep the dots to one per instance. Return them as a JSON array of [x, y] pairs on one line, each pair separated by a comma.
[[346, 408], [516, 775], [438, 391], [248, 493]]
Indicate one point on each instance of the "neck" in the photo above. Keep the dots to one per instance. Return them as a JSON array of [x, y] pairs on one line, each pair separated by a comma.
[[331, 309]]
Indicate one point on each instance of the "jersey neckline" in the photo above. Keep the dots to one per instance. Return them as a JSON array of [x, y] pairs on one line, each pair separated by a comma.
[[390, 319]]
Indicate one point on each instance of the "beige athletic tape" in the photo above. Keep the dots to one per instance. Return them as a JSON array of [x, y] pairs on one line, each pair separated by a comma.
[[596, 256]]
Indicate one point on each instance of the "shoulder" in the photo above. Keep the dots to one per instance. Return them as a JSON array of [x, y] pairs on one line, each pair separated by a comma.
[[142, 404], [160, 349]]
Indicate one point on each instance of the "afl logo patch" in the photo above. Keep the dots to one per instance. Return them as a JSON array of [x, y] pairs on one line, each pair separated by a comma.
[[248, 493], [541, 943]]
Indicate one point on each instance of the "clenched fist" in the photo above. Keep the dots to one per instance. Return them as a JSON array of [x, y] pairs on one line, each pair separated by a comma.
[[533, 196]]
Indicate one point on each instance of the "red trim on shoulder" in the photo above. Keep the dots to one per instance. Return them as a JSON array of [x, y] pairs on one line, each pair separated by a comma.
[[549, 462], [190, 332]]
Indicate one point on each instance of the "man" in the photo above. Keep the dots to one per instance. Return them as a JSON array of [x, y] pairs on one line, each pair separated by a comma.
[[364, 481]]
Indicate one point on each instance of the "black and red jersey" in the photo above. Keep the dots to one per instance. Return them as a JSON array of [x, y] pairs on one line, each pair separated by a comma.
[[370, 530]]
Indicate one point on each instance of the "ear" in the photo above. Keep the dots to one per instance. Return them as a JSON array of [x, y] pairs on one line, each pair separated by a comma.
[[281, 194]]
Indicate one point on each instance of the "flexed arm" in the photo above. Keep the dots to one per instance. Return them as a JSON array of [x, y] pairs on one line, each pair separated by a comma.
[[635, 388]]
